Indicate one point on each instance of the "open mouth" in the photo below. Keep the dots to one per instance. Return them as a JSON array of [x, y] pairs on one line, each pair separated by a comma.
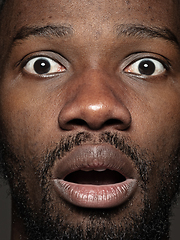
[[97, 176]]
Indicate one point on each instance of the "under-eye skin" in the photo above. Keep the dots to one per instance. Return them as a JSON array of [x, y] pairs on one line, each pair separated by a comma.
[[146, 67], [43, 66]]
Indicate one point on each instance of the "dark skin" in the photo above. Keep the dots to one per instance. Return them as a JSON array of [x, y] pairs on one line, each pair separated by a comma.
[[94, 81]]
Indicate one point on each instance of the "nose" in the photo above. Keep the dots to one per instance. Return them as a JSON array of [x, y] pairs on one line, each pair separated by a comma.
[[94, 102]]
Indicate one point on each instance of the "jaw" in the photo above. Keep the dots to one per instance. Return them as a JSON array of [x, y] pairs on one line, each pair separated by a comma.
[[56, 208]]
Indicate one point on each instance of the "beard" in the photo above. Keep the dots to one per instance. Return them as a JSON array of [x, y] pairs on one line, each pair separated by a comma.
[[51, 221]]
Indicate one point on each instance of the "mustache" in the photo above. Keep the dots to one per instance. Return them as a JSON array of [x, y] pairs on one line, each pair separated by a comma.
[[125, 145]]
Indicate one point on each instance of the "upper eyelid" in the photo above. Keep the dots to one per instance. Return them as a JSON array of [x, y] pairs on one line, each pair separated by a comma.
[[132, 58], [54, 56], [148, 58], [24, 63], [33, 58], [145, 54]]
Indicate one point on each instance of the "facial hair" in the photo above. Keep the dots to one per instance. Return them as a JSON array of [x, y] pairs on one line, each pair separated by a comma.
[[149, 222]]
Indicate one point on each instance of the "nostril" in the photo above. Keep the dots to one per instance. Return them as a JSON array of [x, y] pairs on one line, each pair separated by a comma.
[[116, 123], [77, 122], [111, 122], [69, 125]]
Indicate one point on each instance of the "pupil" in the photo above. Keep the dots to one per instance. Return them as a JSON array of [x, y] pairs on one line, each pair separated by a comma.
[[42, 66], [147, 67]]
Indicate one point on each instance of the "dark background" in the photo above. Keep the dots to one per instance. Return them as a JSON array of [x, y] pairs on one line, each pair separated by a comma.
[[5, 216]]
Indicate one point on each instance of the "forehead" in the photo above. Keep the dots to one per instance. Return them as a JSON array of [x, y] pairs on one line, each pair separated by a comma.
[[94, 15]]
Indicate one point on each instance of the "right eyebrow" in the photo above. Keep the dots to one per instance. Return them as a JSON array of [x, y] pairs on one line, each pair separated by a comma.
[[45, 31]]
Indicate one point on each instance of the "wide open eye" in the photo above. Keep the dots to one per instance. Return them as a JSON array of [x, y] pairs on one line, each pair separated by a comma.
[[43, 66], [146, 67]]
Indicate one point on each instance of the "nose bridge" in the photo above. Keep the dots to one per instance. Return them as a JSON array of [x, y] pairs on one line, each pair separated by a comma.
[[94, 102], [95, 91]]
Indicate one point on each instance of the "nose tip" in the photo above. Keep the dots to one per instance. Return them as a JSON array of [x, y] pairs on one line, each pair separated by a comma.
[[94, 117], [88, 111]]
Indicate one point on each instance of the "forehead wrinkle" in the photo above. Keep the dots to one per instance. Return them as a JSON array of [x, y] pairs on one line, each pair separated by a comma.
[[142, 31]]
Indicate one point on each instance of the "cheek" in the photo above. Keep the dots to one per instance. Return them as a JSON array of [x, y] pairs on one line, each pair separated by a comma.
[[156, 118], [29, 124], [156, 129]]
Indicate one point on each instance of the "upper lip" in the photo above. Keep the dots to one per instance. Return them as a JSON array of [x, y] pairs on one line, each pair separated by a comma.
[[94, 157]]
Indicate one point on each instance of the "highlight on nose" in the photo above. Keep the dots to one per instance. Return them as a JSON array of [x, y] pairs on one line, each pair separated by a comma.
[[96, 107], [94, 116]]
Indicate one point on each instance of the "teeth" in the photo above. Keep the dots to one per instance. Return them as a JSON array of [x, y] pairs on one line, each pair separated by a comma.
[[86, 170], [100, 170]]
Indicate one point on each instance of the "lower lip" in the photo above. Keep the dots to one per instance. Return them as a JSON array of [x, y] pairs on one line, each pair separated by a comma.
[[95, 196]]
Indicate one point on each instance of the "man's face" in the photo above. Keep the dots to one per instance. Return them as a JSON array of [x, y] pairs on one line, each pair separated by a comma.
[[89, 102]]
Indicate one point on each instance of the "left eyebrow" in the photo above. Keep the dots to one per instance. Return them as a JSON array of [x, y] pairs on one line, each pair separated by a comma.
[[141, 31], [45, 31]]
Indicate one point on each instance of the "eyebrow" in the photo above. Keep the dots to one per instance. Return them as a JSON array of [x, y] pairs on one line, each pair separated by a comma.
[[127, 30], [141, 31], [45, 31]]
